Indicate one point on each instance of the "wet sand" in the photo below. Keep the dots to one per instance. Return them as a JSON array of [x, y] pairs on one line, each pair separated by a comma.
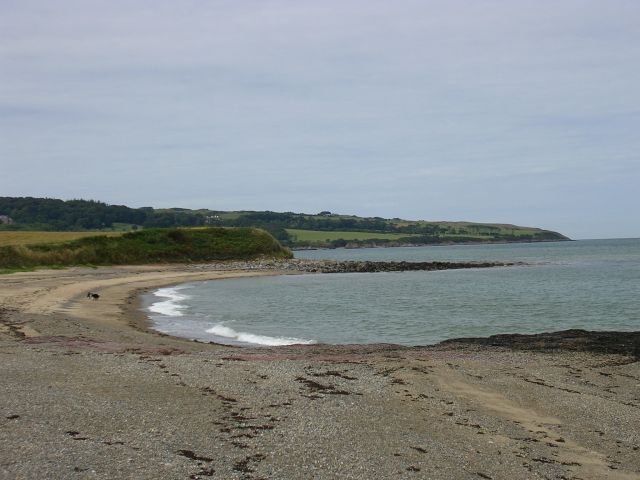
[[89, 392]]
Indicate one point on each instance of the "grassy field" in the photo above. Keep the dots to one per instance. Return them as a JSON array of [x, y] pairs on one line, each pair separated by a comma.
[[488, 228], [147, 246], [471, 227], [318, 236], [31, 238]]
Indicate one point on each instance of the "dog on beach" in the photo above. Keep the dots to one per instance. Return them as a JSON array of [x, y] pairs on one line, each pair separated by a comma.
[[93, 296]]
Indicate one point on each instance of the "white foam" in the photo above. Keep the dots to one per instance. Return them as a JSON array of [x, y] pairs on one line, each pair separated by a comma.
[[172, 306], [227, 332]]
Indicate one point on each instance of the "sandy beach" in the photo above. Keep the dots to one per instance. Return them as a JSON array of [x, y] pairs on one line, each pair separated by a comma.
[[88, 391]]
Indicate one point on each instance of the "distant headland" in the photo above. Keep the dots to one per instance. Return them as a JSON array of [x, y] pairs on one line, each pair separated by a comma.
[[294, 230]]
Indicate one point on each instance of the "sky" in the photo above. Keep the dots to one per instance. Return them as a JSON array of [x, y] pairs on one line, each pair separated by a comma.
[[511, 111]]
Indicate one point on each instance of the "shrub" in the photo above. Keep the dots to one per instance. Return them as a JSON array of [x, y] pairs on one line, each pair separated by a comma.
[[149, 246]]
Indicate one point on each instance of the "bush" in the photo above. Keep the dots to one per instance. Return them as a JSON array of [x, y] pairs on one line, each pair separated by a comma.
[[149, 246]]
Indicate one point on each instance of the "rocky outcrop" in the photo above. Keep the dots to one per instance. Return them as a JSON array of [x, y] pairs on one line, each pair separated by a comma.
[[370, 267], [332, 266], [621, 343]]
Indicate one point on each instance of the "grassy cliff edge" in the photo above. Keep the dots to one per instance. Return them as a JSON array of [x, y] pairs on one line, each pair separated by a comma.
[[174, 245]]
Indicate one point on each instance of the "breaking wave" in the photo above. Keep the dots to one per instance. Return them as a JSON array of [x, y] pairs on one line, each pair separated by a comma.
[[172, 305], [230, 333]]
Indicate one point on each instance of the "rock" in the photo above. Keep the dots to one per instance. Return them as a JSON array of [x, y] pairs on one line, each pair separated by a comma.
[[621, 343], [332, 266]]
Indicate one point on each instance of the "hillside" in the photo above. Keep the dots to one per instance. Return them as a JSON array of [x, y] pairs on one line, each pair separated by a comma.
[[148, 246], [328, 230], [296, 230]]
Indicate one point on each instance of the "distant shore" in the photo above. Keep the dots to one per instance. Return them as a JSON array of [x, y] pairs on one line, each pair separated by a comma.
[[91, 392], [356, 245]]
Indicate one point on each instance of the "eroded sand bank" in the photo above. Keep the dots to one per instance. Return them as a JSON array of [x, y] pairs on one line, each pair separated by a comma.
[[89, 392]]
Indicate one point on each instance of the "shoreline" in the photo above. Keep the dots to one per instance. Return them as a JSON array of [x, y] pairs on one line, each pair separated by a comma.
[[134, 309], [573, 339], [392, 244], [92, 392], [133, 303], [129, 302]]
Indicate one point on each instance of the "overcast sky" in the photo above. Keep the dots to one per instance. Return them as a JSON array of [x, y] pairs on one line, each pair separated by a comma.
[[524, 112]]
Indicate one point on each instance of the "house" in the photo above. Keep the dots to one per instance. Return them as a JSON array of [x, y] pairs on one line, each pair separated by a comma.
[[6, 220]]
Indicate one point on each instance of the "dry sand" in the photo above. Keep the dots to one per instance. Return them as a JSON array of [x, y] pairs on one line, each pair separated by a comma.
[[89, 392]]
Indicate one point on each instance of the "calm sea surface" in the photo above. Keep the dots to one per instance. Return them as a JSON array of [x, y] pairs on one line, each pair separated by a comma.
[[590, 284]]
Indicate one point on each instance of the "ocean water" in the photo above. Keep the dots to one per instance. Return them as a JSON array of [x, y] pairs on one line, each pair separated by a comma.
[[590, 284]]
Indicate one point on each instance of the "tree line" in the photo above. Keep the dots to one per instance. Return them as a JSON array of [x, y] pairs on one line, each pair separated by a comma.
[[77, 215]]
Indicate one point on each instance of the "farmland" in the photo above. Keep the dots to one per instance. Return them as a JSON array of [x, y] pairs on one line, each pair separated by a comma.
[[321, 236], [13, 238]]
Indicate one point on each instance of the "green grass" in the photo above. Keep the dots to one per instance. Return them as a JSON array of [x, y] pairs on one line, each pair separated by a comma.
[[5, 271], [472, 228], [229, 215], [469, 236], [30, 238], [148, 246], [449, 232], [123, 227], [320, 236]]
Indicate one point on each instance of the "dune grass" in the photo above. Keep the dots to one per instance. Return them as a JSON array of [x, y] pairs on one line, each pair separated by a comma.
[[148, 246], [31, 238]]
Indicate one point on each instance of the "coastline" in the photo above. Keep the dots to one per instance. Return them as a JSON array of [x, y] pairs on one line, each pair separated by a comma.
[[393, 244], [138, 318], [87, 383]]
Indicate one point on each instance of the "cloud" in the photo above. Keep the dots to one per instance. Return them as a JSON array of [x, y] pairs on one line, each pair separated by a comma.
[[313, 105]]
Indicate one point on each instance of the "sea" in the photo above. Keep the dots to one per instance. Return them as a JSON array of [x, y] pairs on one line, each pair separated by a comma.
[[587, 284]]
